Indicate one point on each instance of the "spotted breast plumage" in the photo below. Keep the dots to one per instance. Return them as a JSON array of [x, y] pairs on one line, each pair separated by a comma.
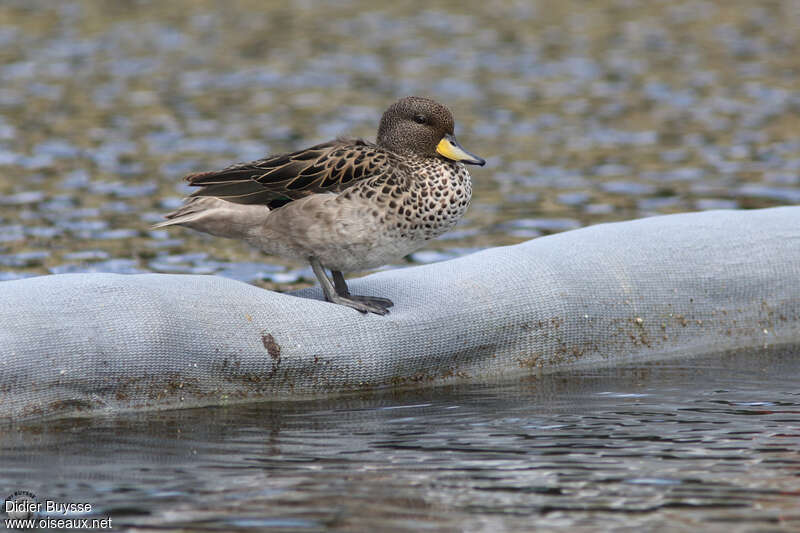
[[345, 205]]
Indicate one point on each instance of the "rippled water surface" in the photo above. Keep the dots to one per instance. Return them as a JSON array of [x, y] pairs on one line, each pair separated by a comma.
[[586, 111], [695, 445]]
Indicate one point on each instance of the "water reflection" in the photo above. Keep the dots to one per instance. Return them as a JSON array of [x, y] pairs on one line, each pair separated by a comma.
[[699, 442]]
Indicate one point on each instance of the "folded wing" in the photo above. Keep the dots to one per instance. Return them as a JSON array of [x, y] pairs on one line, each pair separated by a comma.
[[277, 180]]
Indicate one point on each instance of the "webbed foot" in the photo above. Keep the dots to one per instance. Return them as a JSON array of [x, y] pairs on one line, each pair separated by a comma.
[[386, 303], [365, 304]]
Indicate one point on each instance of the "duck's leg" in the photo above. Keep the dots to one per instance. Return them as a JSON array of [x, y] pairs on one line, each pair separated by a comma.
[[332, 296], [342, 290]]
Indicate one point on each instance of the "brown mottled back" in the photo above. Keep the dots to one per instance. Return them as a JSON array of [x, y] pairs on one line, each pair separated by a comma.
[[412, 125]]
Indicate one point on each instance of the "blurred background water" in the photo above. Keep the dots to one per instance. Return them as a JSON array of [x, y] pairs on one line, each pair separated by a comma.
[[587, 112]]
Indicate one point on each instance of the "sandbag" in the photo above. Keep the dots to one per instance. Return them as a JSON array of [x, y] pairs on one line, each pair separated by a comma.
[[657, 288]]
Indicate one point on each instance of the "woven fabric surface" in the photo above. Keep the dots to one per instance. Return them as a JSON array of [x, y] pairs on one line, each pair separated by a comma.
[[661, 287]]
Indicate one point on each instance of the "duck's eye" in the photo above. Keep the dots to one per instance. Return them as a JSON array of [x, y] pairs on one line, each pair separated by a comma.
[[420, 119]]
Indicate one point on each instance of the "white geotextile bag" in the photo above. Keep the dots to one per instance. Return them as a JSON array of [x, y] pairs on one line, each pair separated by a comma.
[[660, 287]]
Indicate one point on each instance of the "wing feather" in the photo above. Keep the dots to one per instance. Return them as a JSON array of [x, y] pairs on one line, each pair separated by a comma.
[[276, 180]]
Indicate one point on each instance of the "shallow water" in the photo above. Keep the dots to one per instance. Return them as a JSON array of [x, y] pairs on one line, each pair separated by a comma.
[[587, 112], [707, 444]]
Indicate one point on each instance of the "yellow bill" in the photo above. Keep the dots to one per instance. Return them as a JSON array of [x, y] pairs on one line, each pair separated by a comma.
[[449, 148]]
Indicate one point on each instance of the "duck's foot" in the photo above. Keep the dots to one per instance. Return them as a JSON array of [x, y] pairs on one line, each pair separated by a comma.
[[386, 303], [365, 306], [341, 289], [338, 293]]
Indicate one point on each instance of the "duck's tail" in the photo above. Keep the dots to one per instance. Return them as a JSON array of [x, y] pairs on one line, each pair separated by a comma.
[[217, 217]]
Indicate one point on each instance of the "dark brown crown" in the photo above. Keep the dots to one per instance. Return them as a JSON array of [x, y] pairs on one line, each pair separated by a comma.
[[414, 124]]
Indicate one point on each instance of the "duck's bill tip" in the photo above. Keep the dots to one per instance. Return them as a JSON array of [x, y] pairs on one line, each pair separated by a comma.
[[448, 147]]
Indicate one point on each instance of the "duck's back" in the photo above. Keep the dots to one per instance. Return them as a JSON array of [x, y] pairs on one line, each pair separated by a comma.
[[277, 180]]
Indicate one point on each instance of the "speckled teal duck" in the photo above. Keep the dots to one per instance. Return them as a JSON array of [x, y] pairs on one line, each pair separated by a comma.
[[345, 205]]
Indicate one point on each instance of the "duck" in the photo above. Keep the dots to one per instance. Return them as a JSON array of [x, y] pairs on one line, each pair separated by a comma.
[[346, 205]]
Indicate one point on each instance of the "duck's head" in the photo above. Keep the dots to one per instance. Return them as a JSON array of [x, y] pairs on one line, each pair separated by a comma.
[[424, 127]]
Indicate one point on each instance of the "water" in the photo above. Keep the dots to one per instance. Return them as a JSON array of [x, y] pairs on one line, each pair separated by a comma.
[[704, 444], [586, 112]]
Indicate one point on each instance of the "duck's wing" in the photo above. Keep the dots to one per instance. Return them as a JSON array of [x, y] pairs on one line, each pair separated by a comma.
[[277, 180]]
